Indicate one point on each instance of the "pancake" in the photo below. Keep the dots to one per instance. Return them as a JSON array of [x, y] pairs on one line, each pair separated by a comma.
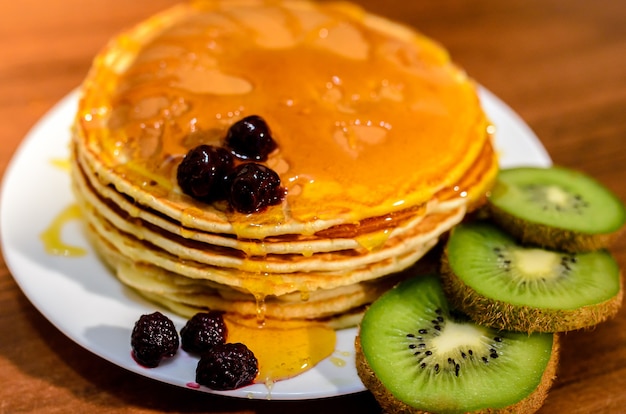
[[415, 234], [337, 307], [261, 284], [382, 147]]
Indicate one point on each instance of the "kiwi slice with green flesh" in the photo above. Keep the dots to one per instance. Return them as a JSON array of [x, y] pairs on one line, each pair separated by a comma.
[[417, 354], [487, 274], [557, 208]]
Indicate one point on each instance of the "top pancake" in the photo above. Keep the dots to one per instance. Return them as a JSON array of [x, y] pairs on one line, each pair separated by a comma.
[[370, 117]]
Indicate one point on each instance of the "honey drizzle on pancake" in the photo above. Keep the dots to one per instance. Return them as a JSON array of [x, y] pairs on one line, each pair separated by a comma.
[[394, 119], [260, 308]]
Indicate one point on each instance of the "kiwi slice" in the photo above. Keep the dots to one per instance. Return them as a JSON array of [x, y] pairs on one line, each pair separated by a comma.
[[498, 282], [557, 208], [417, 354]]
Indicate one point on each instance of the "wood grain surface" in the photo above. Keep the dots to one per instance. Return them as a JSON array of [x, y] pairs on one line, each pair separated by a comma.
[[561, 64]]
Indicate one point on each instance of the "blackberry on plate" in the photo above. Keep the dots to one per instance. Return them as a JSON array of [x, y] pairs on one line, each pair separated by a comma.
[[253, 187], [227, 367], [250, 139], [153, 338], [203, 331], [204, 171]]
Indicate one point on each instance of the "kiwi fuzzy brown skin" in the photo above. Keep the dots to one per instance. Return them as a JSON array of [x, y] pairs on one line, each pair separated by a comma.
[[550, 237], [503, 315], [390, 404]]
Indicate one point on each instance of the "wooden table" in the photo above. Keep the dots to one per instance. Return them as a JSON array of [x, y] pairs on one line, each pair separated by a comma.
[[561, 64]]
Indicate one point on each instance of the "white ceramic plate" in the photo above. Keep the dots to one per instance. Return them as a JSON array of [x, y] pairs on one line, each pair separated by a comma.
[[81, 297]]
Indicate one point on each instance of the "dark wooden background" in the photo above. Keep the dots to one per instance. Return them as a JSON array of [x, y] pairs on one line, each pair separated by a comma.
[[561, 64]]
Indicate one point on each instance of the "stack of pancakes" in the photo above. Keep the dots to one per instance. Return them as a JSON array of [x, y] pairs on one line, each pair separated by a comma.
[[382, 148]]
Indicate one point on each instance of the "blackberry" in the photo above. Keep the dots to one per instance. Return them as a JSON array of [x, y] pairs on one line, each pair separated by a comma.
[[227, 367], [203, 331], [204, 171], [153, 338], [250, 139], [253, 187]]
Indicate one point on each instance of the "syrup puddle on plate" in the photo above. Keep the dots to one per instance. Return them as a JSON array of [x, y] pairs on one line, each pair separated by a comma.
[[52, 237], [282, 351]]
